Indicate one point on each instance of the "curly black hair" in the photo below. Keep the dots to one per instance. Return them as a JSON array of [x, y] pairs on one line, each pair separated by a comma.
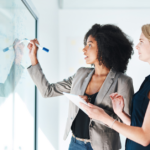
[[114, 46]]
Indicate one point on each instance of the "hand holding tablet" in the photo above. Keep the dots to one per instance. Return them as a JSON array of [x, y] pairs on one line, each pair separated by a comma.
[[76, 99]]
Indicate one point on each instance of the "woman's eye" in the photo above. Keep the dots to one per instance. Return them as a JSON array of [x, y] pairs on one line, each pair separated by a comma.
[[89, 45]]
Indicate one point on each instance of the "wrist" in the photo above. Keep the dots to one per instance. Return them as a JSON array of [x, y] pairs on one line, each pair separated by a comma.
[[120, 114], [107, 120], [34, 61]]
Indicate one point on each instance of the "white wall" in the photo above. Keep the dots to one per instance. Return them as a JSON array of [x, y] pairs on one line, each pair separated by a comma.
[[48, 108], [73, 24]]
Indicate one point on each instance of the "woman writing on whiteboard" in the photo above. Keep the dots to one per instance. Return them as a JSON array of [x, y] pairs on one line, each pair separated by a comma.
[[109, 50]]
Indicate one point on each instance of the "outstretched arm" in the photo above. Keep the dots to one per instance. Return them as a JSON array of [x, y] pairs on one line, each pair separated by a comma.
[[138, 134], [49, 89], [46, 89]]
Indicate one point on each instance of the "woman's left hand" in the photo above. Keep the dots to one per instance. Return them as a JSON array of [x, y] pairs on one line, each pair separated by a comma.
[[94, 111], [85, 98], [118, 103]]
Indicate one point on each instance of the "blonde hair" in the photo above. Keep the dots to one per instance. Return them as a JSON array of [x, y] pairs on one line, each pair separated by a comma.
[[146, 31]]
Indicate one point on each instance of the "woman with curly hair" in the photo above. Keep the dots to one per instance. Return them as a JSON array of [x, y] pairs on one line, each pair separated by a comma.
[[137, 126], [109, 50]]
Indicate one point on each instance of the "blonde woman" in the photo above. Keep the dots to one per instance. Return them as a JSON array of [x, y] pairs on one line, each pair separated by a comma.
[[137, 127]]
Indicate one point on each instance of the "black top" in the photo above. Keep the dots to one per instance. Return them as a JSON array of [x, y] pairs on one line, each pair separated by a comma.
[[140, 103], [80, 126]]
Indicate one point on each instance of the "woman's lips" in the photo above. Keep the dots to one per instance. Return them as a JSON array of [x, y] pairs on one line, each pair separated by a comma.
[[86, 57]]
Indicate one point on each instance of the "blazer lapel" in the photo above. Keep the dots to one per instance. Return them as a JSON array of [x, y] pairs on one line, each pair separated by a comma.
[[105, 87], [86, 82]]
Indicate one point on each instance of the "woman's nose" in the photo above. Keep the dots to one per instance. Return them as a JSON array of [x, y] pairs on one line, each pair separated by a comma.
[[84, 50], [137, 46]]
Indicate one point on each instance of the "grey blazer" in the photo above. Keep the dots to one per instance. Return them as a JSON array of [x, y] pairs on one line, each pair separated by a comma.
[[101, 136]]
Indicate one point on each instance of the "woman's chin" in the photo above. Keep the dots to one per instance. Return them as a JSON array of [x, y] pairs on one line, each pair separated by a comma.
[[88, 63], [142, 59]]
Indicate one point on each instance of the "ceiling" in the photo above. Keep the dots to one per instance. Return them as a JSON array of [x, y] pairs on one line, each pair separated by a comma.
[[101, 4]]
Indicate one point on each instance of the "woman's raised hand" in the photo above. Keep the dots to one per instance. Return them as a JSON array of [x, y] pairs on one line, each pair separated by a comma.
[[118, 103], [33, 51]]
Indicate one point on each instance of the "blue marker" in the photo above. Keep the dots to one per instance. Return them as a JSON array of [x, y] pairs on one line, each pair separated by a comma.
[[40, 47], [7, 48]]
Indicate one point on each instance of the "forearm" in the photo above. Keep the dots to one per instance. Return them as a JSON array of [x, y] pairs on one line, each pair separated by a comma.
[[48, 89], [125, 118], [111, 115], [136, 134], [34, 61]]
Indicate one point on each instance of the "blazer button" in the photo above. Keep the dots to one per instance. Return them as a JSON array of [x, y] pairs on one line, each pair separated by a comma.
[[92, 124]]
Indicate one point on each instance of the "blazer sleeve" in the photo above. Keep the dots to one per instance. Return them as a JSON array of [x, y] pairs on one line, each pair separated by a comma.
[[49, 89], [125, 88]]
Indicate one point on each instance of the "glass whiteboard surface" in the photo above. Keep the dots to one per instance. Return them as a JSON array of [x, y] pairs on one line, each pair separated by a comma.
[[17, 90]]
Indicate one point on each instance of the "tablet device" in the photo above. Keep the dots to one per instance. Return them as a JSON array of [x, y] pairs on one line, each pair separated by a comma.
[[76, 99]]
